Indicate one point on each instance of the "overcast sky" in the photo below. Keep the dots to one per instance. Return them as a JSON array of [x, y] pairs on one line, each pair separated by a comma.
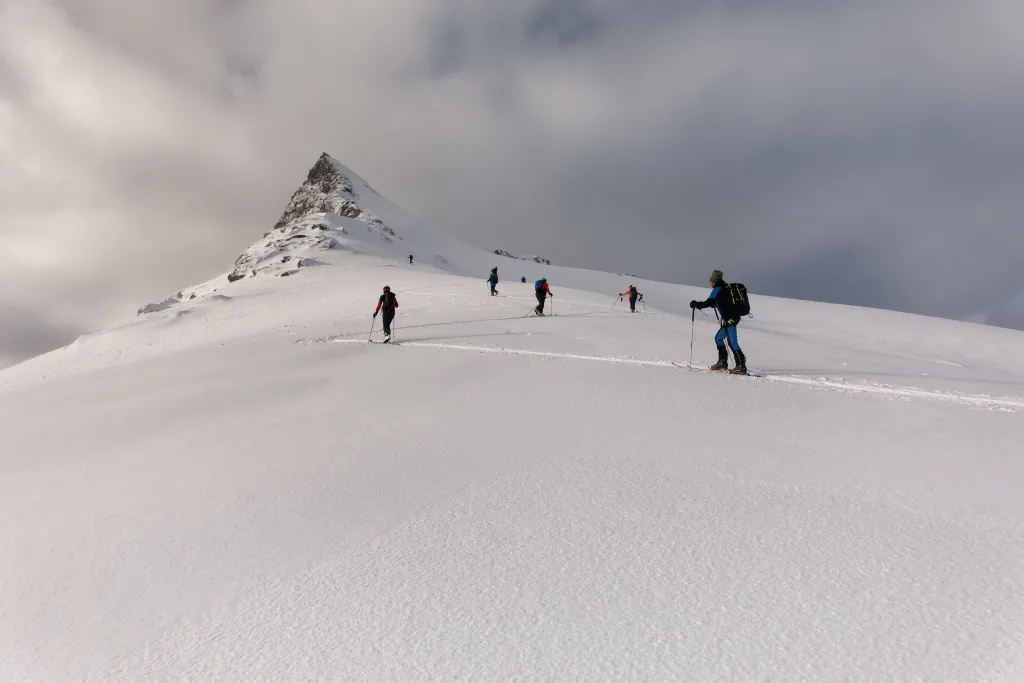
[[867, 152]]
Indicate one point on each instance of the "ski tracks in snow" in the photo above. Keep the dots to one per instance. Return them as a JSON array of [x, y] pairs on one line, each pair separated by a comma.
[[877, 389]]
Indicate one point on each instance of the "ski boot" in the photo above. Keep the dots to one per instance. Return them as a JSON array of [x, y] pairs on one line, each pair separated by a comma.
[[741, 364], [723, 360]]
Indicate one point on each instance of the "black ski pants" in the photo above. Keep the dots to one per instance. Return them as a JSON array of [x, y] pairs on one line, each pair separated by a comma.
[[388, 316], [541, 296]]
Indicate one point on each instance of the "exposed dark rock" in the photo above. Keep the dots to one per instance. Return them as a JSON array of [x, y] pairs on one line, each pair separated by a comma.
[[377, 224], [319, 193], [535, 259], [350, 209]]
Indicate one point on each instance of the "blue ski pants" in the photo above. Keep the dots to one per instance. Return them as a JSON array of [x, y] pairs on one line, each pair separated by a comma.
[[727, 333], [494, 286]]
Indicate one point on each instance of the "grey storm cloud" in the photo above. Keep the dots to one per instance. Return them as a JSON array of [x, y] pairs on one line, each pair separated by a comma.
[[25, 331], [868, 153]]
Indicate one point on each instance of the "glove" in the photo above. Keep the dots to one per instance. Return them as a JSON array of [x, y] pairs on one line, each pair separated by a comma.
[[641, 297], [620, 298], [375, 314], [693, 304]]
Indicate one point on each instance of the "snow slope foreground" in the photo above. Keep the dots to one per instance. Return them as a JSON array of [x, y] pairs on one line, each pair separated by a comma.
[[237, 487]]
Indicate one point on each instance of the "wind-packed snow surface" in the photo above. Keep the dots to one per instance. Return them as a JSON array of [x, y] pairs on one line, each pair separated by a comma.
[[237, 487]]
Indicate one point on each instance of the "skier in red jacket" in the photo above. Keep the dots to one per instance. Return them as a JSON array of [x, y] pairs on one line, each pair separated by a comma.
[[634, 296], [389, 303]]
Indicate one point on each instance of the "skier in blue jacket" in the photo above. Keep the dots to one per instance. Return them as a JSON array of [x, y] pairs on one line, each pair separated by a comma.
[[722, 302], [493, 281]]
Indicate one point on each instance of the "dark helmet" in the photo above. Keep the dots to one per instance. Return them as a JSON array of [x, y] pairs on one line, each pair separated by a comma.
[[386, 288]]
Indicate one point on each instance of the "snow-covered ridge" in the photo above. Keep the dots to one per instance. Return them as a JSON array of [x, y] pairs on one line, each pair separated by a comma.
[[335, 210], [535, 259], [310, 223], [306, 225]]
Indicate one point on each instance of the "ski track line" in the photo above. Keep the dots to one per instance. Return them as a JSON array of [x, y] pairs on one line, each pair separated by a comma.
[[983, 401], [518, 352], [900, 391]]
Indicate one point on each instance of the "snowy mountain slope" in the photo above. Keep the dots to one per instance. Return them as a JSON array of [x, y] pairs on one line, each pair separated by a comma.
[[238, 488], [828, 340]]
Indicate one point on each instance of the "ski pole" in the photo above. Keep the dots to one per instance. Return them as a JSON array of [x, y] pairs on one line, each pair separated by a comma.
[[693, 322], [617, 300], [372, 323]]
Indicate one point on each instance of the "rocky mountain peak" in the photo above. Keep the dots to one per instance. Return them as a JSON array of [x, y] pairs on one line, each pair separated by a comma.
[[327, 189]]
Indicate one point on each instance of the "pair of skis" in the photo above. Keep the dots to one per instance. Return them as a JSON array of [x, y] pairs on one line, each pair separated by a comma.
[[707, 369]]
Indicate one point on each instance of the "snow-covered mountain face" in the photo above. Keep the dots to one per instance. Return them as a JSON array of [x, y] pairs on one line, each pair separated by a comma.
[[337, 211], [236, 486], [328, 206]]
